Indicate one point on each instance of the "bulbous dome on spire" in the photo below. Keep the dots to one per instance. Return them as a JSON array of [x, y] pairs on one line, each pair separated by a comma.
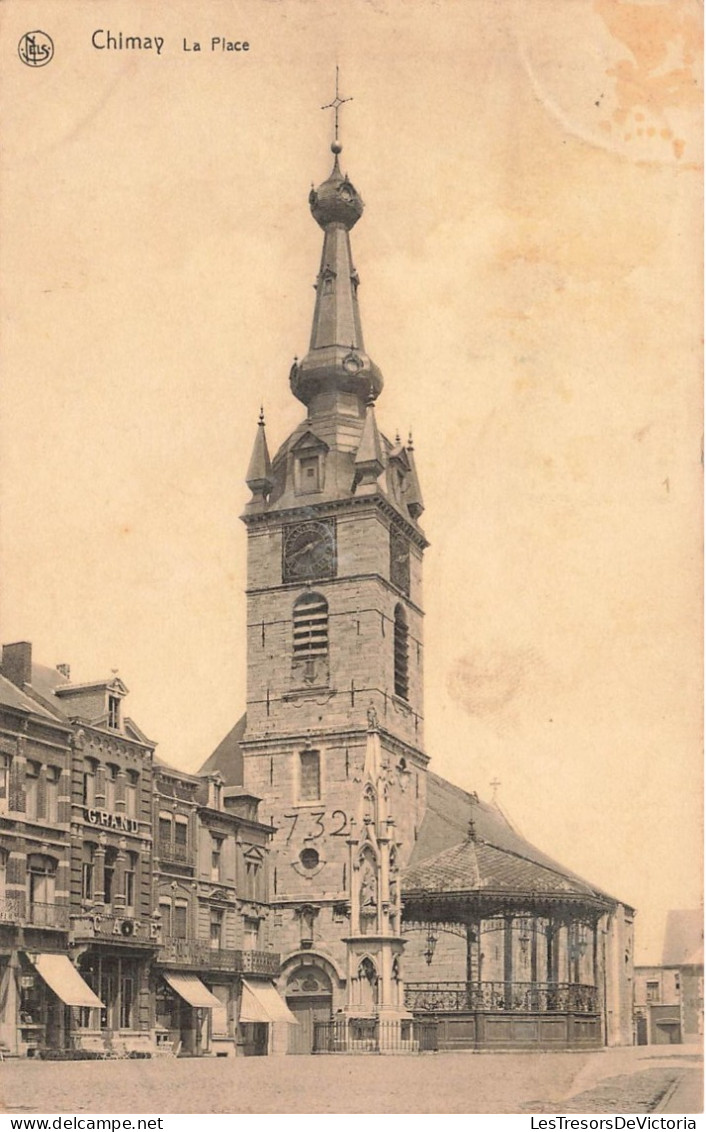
[[336, 201]]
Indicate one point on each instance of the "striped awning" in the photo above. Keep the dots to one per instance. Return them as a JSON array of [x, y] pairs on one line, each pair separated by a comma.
[[262, 1002], [60, 974], [191, 989]]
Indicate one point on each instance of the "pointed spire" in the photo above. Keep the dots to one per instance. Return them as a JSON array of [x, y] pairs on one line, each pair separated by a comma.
[[259, 477], [336, 361], [415, 503], [369, 462]]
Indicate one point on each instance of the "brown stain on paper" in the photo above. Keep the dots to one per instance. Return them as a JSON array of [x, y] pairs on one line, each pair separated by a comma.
[[664, 43]]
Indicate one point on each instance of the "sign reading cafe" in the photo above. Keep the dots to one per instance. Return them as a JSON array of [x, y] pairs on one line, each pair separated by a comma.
[[111, 821]]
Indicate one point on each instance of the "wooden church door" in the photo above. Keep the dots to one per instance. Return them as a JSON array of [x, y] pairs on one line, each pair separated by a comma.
[[310, 998]]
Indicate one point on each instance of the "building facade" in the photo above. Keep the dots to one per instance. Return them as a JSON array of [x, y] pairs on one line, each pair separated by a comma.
[[134, 908], [669, 998], [35, 860], [215, 962]]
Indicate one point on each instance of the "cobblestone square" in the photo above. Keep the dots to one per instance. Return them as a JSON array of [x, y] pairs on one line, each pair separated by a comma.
[[622, 1080]]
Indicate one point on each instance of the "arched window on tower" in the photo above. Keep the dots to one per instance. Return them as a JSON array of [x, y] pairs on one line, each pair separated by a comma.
[[310, 639], [401, 644]]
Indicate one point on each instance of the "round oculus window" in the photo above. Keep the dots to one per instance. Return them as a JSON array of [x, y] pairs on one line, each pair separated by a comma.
[[309, 858]]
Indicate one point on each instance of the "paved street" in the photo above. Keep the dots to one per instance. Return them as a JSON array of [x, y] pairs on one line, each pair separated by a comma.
[[637, 1079]]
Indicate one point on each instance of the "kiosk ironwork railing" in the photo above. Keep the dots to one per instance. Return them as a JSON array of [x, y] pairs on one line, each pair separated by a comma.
[[524, 998]]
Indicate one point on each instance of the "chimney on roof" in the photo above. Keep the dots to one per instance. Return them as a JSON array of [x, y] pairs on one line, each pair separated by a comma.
[[65, 670], [17, 663]]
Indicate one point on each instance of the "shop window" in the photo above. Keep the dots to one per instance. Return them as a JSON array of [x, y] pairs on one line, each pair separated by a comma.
[[401, 654], [53, 776], [216, 928], [111, 778], [219, 1014], [89, 782], [216, 857], [131, 786], [127, 1001], [32, 772], [309, 776], [179, 919]]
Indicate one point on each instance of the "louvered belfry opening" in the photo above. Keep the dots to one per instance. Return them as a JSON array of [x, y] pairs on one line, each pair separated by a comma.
[[310, 627], [401, 654]]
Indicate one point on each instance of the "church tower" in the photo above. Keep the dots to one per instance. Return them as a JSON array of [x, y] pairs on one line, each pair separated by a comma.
[[334, 620]]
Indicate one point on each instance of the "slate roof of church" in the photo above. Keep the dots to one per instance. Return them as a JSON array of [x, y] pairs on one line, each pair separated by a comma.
[[684, 938], [497, 858], [228, 757], [444, 859]]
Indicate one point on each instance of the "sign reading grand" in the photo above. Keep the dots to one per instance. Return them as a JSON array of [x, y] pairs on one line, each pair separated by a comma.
[[111, 821]]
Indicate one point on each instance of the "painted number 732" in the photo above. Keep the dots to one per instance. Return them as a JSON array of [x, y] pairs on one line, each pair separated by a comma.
[[315, 823]]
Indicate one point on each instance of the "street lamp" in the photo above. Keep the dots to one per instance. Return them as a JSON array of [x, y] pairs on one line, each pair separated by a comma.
[[432, 941]]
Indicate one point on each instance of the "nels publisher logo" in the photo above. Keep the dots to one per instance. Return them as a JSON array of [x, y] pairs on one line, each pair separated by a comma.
[[35, 48]]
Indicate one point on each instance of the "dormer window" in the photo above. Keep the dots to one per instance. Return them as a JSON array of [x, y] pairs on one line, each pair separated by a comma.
[[114, 712], [309, 470]]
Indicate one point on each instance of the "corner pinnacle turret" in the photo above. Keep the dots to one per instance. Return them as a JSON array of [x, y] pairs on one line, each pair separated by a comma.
[[259, 476]]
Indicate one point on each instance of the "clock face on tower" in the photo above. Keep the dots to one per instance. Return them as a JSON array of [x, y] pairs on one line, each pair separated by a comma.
[[309, 551], [399, 561]]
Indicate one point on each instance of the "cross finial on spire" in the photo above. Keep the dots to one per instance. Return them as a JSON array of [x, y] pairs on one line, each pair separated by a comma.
[[495, 784], [336, 105], [261, 418]]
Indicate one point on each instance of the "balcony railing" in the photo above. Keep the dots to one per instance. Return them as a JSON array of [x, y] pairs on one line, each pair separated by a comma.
[[258, 963], [16, 910], [485, 997], [168, 851], [10, 909], [177, 952], [48, 916]]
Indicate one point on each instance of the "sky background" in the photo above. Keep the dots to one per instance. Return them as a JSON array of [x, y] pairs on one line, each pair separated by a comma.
[[531, 289]]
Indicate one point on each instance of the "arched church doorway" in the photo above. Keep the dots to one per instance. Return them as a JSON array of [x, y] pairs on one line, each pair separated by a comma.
[[309, 997]]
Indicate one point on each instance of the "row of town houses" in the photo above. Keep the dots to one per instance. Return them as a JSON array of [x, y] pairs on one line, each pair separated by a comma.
[[134, 910]]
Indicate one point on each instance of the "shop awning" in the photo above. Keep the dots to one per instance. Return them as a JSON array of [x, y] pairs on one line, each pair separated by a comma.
[[262, 1002], [191, 989], [60, 974]]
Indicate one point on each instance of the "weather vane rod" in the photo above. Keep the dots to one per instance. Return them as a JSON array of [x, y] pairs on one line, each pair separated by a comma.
[[336, 105]]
